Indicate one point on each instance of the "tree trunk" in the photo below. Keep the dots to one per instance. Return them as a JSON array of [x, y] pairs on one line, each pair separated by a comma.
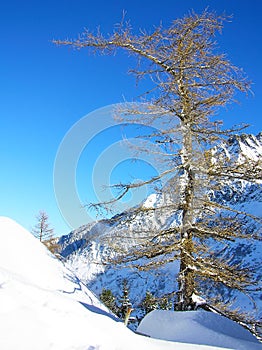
[[186, 277]]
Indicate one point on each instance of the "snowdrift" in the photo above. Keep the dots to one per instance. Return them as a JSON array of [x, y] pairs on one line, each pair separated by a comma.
[[43, 305], [199, 327]]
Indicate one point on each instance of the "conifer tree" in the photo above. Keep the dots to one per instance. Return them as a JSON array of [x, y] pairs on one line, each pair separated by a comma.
[[191, 82], [42, 229], [109, 300], [164, 303], [149, 303], [124, 301]]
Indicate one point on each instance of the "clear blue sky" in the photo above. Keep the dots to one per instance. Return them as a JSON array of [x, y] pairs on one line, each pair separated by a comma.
[[46, 89]]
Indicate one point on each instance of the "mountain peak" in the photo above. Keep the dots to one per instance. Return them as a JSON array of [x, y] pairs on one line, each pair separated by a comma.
[[241, 147]]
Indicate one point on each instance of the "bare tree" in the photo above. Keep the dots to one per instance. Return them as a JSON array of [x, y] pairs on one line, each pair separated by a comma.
[[42, 229], [191, 82]]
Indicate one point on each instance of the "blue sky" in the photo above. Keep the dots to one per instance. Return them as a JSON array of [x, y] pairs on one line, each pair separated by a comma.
[[45, 89]]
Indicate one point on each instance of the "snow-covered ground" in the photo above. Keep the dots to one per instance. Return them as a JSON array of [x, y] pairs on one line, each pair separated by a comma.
[[43, 305], [199, 327]]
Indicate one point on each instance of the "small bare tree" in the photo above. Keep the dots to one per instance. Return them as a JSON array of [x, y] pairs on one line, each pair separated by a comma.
[[42, 229], [191, 81]]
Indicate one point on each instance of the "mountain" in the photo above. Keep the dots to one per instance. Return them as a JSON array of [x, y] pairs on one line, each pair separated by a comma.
[[240, 147], [88, 249]]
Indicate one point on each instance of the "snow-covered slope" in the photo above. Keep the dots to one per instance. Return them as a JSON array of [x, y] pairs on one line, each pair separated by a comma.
[[44, 306]]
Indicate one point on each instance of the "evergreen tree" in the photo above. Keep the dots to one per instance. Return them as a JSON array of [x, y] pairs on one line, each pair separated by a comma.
[[149, 303], [164, 303], [124, 301], [109, 300]]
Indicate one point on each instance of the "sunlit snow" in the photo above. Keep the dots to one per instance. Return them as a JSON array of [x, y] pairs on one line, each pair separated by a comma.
[[43, 305], [199, 327]]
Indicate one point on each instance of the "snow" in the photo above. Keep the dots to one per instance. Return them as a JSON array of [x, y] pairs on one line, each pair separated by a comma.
[[199, 327], [198, 300], [43, 305], [151, 201]]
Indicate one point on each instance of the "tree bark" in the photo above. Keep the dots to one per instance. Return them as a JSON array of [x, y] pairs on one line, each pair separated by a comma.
[[186, 275]]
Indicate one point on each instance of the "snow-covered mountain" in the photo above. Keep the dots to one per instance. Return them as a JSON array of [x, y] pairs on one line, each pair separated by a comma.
[[244, 146], [44, 306], [87, 249]]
